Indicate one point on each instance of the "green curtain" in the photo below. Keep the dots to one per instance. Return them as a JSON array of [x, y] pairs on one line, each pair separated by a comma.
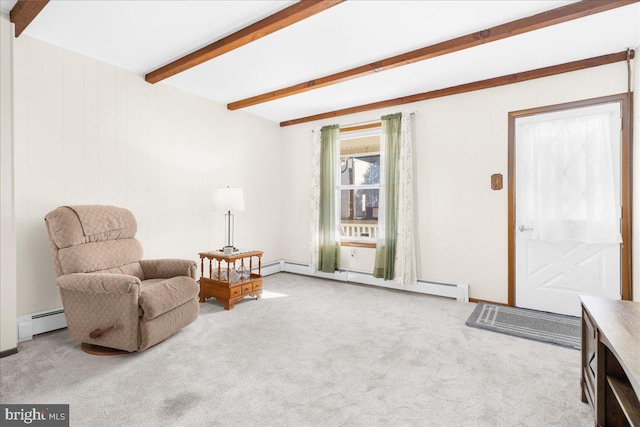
[[386, 247], [329, 247]]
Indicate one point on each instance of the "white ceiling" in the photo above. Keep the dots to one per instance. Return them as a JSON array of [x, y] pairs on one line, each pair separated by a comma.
[[140, 36]]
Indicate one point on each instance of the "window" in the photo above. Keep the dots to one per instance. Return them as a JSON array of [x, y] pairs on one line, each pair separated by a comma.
[[359, 192]]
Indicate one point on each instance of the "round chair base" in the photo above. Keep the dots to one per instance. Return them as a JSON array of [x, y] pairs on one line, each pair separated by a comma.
[[98, 350]]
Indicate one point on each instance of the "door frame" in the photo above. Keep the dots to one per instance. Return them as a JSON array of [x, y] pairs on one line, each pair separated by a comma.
[[626, 171]]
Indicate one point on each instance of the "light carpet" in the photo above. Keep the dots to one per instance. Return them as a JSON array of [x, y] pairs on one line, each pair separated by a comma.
[[327, 354], [536, 325]]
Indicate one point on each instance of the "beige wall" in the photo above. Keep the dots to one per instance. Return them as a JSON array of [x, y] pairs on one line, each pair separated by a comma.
[[460, 141], [8, 334], [90, 133]]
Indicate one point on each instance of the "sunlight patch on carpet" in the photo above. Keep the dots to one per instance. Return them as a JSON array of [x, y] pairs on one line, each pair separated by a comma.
[[269, 294]]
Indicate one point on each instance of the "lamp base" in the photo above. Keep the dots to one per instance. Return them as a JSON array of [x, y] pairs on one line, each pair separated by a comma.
[[228, 250]]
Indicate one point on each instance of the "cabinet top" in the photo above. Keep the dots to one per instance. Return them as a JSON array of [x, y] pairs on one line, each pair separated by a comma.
[[221, 256], [619, 322]]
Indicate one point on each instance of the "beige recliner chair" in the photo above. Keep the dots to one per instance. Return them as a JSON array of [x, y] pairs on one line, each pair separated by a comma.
[[111, 297]]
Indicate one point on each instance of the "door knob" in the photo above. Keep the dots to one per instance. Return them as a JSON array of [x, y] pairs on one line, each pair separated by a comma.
[[523, 228]]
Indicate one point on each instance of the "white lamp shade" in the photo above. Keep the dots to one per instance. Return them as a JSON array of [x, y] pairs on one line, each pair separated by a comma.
[[228, 199]]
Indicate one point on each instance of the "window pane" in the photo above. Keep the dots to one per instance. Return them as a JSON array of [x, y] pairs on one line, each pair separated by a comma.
[[359, 166], [361, 170], [359, 213]]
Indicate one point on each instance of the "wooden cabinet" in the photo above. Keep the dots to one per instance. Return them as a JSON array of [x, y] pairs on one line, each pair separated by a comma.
[[611, 360], [589, 361], [222, 283]]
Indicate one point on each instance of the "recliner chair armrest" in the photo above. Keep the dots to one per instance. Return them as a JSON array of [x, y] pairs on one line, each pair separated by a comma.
[[168, 268], [99, 283]]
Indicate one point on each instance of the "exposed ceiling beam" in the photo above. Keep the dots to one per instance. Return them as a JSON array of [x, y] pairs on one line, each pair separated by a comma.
[[469, 87], [279, 20], [24, 12], [513, 28]]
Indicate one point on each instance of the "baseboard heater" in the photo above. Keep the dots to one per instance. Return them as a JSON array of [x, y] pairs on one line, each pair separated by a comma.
[[51, 320], [39, 323], [457, 291]]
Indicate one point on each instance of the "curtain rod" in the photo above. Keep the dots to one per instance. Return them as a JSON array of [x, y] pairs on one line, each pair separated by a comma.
[[413, 113]]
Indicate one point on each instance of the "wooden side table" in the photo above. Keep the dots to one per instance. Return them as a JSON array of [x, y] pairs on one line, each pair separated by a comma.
[[220, 266]]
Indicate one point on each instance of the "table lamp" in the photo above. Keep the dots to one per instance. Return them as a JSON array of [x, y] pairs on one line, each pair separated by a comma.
[[228, 199]]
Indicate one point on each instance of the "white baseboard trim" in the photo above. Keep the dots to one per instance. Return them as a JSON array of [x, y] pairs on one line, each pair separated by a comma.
[[46, 321], [39, 323]]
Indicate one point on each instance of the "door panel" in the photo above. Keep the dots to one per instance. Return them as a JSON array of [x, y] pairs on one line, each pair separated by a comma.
[[550, 276], [556, 273]]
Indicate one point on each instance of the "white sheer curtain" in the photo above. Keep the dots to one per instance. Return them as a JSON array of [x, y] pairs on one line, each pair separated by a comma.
[[571, 185], [315, 199], [405, 262], [395, 248]]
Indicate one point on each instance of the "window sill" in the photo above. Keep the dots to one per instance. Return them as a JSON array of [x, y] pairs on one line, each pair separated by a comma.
[[359, 244]]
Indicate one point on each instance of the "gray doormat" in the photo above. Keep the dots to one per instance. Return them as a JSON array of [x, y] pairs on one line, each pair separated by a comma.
[[535, 325]]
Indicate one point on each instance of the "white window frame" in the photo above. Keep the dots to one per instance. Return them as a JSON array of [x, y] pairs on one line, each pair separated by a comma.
[[339, 188]]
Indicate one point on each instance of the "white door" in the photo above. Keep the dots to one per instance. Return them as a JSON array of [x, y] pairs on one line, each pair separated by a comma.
[[556, 263]]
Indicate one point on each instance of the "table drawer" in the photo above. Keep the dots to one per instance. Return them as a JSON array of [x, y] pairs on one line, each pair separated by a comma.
[[257, 286], [246, 288], [236, 291]]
